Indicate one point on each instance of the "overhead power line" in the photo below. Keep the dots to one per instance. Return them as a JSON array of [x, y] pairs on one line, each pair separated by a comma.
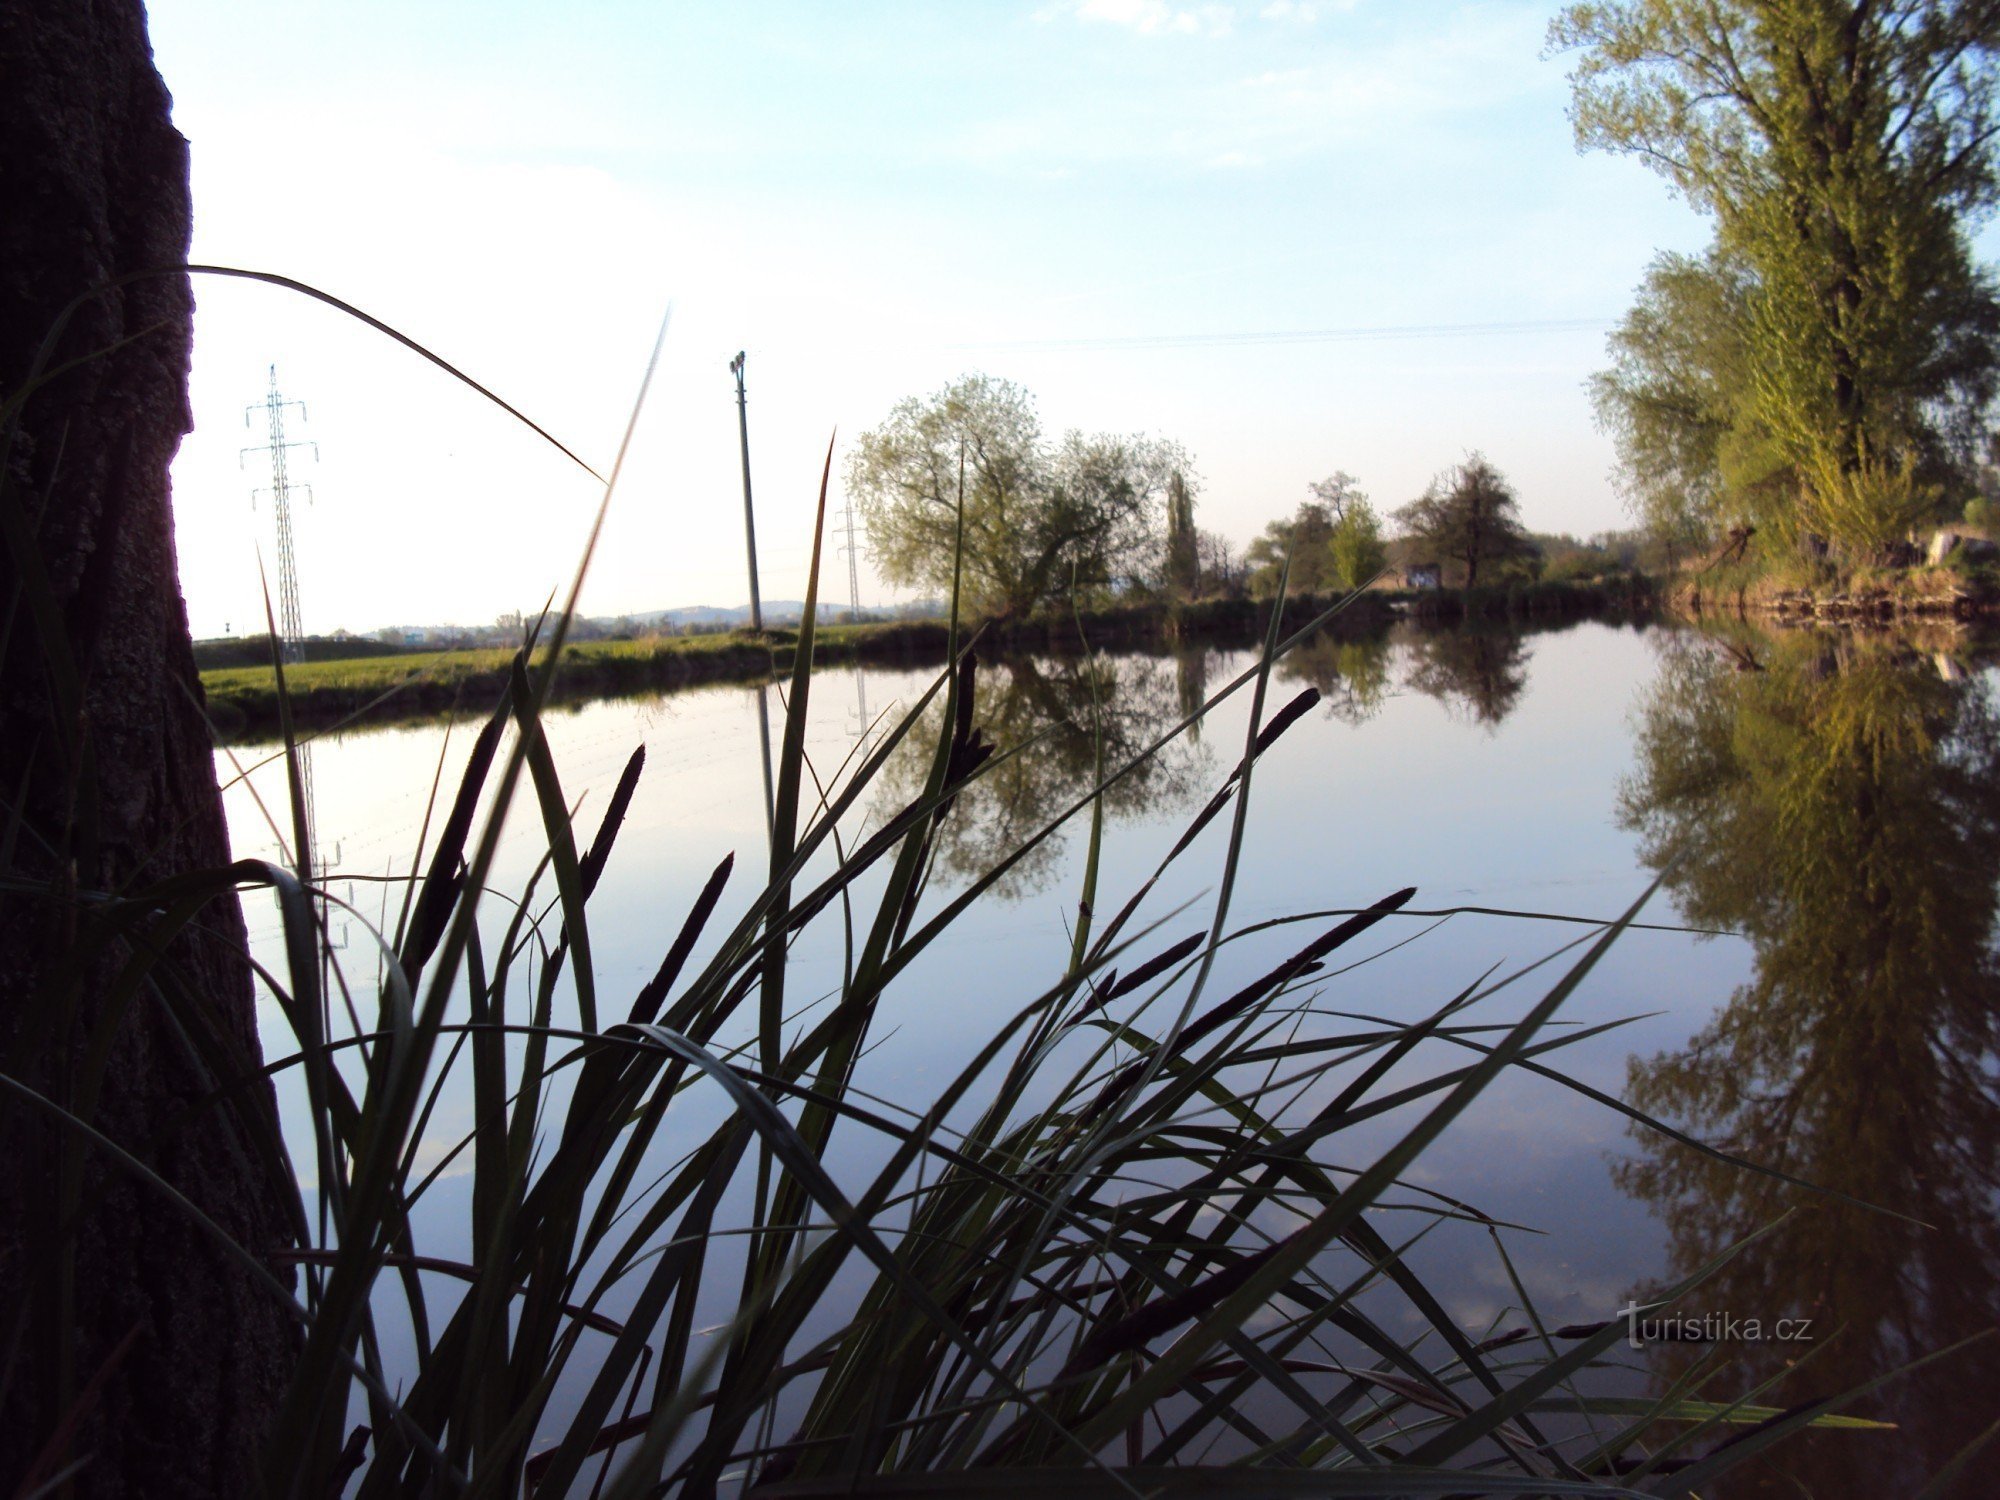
[[1356, 334]]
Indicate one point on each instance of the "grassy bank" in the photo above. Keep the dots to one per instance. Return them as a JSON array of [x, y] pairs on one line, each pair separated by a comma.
[[382, 687]]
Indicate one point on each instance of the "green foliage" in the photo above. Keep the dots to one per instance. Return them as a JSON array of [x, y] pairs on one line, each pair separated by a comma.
[[1333, 542], [1675, 403], [1470, 515], [1351, 673], [1183, 561], [1843, 348], [1359, 552], [1305, 540], [1045, 522]]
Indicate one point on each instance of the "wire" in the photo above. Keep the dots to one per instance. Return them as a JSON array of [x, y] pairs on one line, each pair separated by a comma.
[[1300, 336]]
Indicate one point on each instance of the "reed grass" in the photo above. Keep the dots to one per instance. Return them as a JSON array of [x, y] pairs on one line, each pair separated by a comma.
[[1116, 1252]]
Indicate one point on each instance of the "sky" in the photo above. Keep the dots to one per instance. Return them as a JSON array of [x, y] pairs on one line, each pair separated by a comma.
[[1187, 220]]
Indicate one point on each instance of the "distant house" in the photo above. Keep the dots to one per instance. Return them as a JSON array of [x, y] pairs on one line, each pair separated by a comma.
[[1423, 575]]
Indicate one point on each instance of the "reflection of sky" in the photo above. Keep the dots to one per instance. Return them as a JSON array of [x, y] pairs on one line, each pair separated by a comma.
[[1520, 816]]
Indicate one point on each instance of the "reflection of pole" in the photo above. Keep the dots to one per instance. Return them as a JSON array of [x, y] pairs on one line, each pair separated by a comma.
[[764, 741], [749, 516]]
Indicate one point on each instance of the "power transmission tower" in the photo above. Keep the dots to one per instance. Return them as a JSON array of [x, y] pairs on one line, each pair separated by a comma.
[[853, 566], [291, 631]]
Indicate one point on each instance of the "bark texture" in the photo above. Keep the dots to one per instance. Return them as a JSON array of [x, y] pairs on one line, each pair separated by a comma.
[[115, 1312]]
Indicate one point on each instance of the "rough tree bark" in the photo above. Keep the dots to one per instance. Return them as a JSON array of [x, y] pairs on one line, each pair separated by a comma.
[[119, 1315]]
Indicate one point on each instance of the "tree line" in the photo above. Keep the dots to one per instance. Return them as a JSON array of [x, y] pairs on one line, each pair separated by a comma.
[[963, 491]]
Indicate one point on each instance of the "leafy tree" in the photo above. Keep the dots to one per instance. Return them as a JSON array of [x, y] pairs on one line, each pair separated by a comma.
[[1841, 149], [1470, 515], [1358, 550], [1041, 517], [1340, 492], [1333, 541], [1305, 539], [1675, 403], [1183, 561], [1222, 568]]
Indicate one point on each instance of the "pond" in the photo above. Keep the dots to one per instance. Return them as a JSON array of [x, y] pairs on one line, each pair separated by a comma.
[[1824, 811]]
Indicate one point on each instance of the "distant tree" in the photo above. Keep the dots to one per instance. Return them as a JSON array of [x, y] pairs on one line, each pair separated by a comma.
[[1339, 492], [1223, 571], [1306, 540], [1358, 550], [1183, 564], [1470, 515], [1041, 518], [1356, 540]]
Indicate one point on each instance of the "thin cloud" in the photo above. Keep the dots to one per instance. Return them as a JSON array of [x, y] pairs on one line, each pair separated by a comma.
[[1331, 92], [1158, 18]]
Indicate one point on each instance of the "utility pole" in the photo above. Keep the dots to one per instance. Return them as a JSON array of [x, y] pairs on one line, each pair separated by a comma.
[[749, 515], [756, 601]]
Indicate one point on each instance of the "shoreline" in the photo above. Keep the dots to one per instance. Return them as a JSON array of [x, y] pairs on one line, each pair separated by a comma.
[[382, 689]]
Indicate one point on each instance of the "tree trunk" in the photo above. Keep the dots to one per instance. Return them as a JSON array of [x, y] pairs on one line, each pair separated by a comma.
[[117, 1317]]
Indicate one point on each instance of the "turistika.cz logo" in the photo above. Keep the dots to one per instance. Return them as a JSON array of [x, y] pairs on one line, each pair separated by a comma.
[[1709, 1328]]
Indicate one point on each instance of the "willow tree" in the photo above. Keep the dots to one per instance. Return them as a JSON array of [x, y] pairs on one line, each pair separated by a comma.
[[1043, 520], [134, 1355], [1842, 148]]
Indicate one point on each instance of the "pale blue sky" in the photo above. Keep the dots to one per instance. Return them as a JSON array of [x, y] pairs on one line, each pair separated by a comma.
[[871, 199]]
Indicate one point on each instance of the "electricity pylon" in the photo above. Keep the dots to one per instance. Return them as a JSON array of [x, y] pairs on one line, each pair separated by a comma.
[[291, 630]]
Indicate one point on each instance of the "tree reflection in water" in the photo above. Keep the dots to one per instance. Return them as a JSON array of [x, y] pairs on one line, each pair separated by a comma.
[[1351, 673], [1841, 808], [1052, 711], [1477, 669]]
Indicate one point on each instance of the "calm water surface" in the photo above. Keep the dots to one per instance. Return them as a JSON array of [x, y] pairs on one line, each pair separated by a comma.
[[1832, 807]]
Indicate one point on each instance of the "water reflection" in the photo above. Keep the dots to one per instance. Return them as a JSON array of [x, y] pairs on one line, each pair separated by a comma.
[[1050, 707], [1051, 713], [1477, 670], [1352, 673], [1840, 805]]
